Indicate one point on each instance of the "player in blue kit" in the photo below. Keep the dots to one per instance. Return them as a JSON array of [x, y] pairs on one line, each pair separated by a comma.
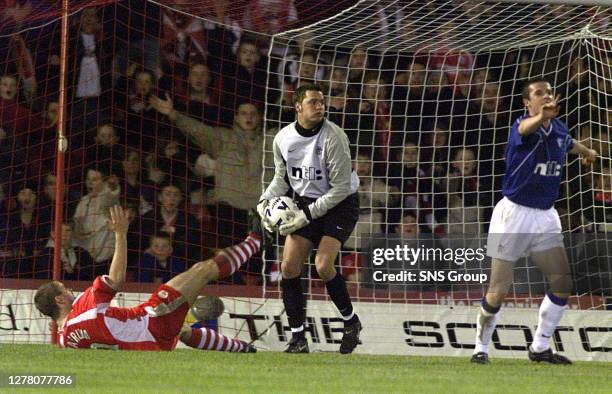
[[525, 222]]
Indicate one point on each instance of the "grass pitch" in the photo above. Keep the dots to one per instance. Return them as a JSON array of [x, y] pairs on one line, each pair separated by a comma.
[[199, 371]]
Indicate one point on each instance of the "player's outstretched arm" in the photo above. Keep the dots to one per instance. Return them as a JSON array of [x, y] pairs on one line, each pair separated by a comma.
[[588, 155], [546, 112], [119, 223]]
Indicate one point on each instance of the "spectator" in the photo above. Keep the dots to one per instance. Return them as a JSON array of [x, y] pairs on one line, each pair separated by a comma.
[[90, 218], [408, 226], [136, 34], [456, 63], [107, 153], [40, 144], [269, 16], [415, 186], [90, 60], [169, 218], [25, 229], [374, 197], [136, 191], [143, 125], [11, 157], [233, 156], [75, 263], [46, 199], [435, 150], [20, 56], [438, 97], [464, 214], [15, 123], [187, 39], [598, 200], [171, 159], [408, 95], [338, 97], [372, 126], [157, 264], [6, 205], [299, 68], [283, 113], [154, 175], [487, 132], [357, 64], [200, 101], [578, 88], [244, 76]]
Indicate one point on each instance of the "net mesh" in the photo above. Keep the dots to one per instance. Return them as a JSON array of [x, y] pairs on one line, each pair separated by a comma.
[[427, 95], [425, 92]]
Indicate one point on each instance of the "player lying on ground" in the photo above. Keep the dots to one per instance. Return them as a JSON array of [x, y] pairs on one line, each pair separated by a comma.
[[312, 156], [88, 321], [525, 221]]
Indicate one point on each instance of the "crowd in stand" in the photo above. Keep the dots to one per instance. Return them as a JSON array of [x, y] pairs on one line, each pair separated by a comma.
[[165, 116]]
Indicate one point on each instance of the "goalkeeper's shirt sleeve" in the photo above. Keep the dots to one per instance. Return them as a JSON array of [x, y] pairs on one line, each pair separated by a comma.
[[278, 186]]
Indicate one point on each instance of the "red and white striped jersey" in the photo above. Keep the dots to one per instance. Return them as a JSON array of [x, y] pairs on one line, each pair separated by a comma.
[[93, 323]]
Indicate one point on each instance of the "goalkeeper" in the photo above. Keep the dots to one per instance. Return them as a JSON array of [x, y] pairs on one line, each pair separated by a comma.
[[525, 221], [311, 155]]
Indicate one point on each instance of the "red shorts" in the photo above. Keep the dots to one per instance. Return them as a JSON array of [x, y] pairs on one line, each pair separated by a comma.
[[167, 309]]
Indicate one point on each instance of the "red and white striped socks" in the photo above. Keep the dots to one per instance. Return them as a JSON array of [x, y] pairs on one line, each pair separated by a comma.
[[230, 259], [207, 339]]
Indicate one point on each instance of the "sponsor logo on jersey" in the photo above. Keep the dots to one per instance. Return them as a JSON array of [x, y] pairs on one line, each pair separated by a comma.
[[162, 294], [307, 173], [550, 168]]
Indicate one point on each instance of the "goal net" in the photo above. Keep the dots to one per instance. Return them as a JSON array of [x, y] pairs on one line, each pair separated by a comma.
[[426, 92]]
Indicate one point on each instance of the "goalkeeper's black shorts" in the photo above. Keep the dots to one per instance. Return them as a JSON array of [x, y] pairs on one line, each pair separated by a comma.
[[339, 222]]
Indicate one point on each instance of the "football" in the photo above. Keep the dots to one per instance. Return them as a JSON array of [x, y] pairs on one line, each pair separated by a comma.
[[280, 210]]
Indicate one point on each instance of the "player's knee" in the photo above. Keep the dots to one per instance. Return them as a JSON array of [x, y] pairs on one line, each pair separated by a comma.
[[290, 269], [325, 268]]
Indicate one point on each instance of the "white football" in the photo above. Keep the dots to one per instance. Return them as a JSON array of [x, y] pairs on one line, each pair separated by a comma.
[[280, 211]]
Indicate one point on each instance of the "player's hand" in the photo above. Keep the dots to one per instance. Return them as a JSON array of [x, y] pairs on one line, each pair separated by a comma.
[[261, 210], [589, 157], [164, 107], [119, 220], [261, 207], [299, 220], [551, 109]]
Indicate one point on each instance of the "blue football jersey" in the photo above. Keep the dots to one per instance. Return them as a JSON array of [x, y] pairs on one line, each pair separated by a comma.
[[534, 164]]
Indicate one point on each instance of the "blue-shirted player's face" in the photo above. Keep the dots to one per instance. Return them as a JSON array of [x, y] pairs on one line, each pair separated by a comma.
[[540, 93]]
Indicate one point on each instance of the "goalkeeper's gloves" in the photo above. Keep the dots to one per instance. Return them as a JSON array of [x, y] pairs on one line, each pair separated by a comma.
[[301, 219], [261, 210]]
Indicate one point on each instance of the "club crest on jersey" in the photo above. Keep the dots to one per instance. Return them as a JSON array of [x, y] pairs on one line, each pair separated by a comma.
[[560, 142], [550, 168], [162, 294], [318, 150]]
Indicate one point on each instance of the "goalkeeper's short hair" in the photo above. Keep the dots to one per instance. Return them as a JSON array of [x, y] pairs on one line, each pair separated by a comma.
[[300, 92]]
